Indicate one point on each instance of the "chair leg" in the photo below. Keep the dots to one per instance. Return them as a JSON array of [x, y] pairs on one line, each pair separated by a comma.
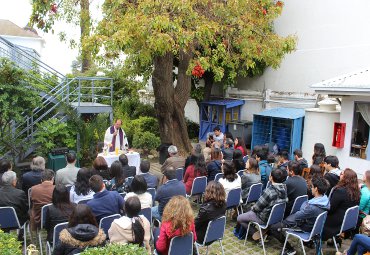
[[246, 235], [286, 239], [207, 250], [197, 248], [304, 251], [222, 248], [25, 238], [40, 241], [335, 243], [263, 242]]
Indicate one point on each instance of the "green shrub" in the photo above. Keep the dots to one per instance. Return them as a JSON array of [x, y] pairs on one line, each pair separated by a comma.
[[9, 244], [193, 129], [116, 249], [134, 109], [142, 124], [144, 110], [146, 141]]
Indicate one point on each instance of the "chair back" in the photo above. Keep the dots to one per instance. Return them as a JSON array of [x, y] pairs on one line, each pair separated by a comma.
[[9, 218], [331, 193], [44, 210], [255, 192], [152, 192], [298, 203], [181, 245], [57, 229], [218, 176], [350, 219], [106, 222], [233, 198], [29, 198], [180, 173], [276, 214], [245, 158], [215, 230], [199, 185], [240, 173], [129, 180], [319, 225], [83, 201], [147, 213]]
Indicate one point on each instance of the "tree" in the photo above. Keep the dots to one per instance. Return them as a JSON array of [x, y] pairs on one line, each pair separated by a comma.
[[219, 39], [76, 12]]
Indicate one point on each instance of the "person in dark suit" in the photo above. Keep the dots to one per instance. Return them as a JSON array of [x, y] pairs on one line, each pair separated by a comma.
[[128, 171], [228, 149], [151, 179], [33, 177]]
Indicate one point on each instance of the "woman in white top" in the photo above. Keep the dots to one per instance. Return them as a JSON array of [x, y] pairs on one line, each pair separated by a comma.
[[81, 189], [230, 180], [139, 189]]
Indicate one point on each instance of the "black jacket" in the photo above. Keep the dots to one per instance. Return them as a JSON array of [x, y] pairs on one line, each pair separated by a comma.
[[31, 179], [55, 216], [207, 212], [129, 171], [77, 239], [296, 186], [16, 198], [213, 168], [333, 180]]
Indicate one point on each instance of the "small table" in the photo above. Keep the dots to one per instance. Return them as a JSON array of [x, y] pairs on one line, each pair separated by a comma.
[[133, 159]]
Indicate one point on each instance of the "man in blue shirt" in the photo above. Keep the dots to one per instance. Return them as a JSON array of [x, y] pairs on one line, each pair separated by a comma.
[[171, 187], [151, 179], [104, 203]]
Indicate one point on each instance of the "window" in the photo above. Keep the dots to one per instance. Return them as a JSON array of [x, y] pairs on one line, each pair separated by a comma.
[[360, 131]]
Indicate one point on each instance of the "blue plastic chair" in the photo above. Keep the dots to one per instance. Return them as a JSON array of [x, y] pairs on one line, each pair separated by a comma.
[[106, 222], [306, 236], [298, 203], [215, 232], [218, 176], [245, 158], [276, 215], [147, 213], [199, 186], [44, 210], [233, 199], [152, 192], [254, 193], [9, 220], [83, 201], [181, 245], [240, 173], [349, 221], [57, 229], [180, 174]]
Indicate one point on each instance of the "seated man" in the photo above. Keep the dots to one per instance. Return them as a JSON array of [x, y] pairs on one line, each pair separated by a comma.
[[283, 161], [175, 160], [41, 194], [104, 203], [171, 187], [298, 157], [151, 179], [273, 194], [305, 218], [33, 177], [228, 150], [68, 175], [16, 198], [128, 171], [332, 172]]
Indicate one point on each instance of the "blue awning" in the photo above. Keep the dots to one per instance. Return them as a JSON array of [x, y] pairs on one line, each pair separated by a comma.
[[285, 113], [229, 103]]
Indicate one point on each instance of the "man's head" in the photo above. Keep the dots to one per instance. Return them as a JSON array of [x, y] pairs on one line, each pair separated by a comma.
[[229, 143], [261, 154], [297, 154], [319, 186], [170, 173], [277, 176], [118, 124], [9, 178], [283, 156], [38, 163], [172, 150], [331, 162], [5, 165], [71, 158], [144, 166], [197, 149], [123, 159], [96, 183], [217, 131], [294, 168], [47, 175]]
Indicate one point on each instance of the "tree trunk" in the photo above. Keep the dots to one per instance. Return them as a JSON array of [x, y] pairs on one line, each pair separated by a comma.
[[85, 32], [170, 101], [208, 83]]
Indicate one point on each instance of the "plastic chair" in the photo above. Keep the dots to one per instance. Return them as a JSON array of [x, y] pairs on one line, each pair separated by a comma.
[[298, 203], [255, 192], [240, 173], [9, 220], [233, 199], [181, 245], [147, 213], [44, 210], [306, 236], [83, 201], [180, 174], [152, 192], [123, 194], [349, 222], [276, 215], [57, 229], [106, 222], [215, 232], [218, 176], [129, 180], [199, 186], [245, 158]]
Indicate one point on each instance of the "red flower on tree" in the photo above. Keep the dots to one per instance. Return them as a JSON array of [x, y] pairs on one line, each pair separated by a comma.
[[54, 8], [264, 11], [279, 4], [198, 71]]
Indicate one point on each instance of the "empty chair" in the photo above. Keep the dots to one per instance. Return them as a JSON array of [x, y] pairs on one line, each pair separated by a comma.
[[57, 229], [181, 245], [84, 201], [276, 215], [218, 176], [305, 236], [152, 192], [147, 212], [215, 232], [106, 222], [298, 203], [254, 193], [349, 221], [180, 174], [199, 186], [233, 199]]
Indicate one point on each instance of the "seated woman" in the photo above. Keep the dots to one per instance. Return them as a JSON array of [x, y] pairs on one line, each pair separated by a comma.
[[194, 170], [132, 228], [318, 154], [250, 176], [345, 195], [238, 160], [118, 180], [360, 245], [177, 220], [100, 167], [240, 145], [214, 166], [82, 232], [230, 180], [214, 206], [81, 190], [315, 171], [197, 149], [365, 197], [59, 211], [139, 189]]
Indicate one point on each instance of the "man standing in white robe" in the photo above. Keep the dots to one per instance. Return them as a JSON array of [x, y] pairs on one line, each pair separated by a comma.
[[115, 137]]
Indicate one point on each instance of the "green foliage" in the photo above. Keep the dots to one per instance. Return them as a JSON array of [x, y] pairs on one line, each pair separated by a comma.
[[53, 133], [140, 125], [134, 109], [116, 249], [146, 140], [193, 129], [9, 244]]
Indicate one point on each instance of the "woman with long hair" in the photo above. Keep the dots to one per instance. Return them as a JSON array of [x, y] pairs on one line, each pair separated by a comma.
[[238, 160], [315, 171], [214, 206], [117, 183], [82, 232], [81, 190], [365, 195], [344, 195], [177, 220], [240, 145], [250, 176], [318, 154], [139, 189], [100, 167], [230, 180], [132, 228], [59, 211], [214, 166], [194, 170]]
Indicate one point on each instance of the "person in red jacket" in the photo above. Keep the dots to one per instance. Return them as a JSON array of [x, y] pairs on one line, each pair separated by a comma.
[[177, 220], [196, 169]]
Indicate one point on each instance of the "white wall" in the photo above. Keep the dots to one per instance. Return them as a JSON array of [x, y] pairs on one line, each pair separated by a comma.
[[346, 116], [192, 110], [333, 38], [34, 43]]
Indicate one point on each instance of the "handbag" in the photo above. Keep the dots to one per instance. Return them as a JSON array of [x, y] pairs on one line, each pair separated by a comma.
[[365, 226]]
